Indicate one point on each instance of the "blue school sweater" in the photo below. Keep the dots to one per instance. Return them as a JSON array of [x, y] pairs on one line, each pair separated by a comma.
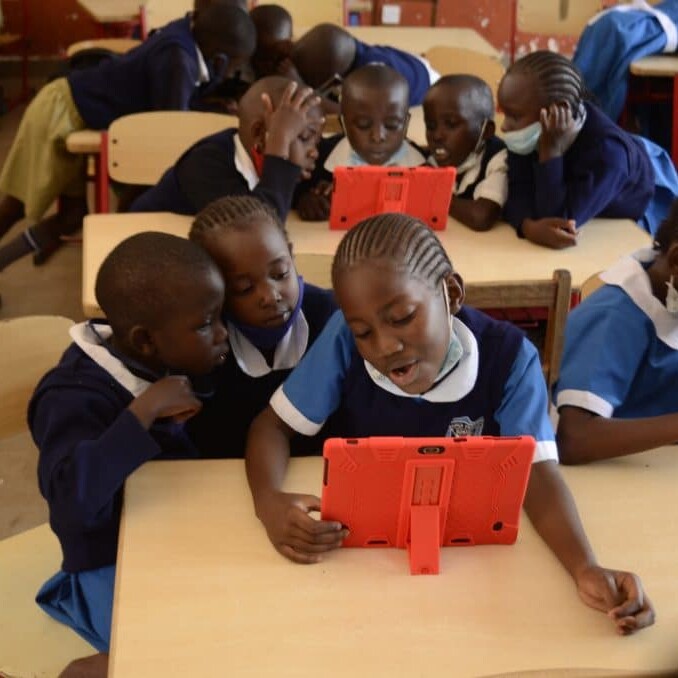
[[605, 173], [89, 444], [220, 428], [207, 171], [160, 74], [414, 71]]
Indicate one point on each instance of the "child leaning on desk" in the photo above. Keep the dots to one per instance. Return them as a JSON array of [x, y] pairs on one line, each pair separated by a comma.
[[161, 74], [275, 146], [119, 397], [271, 314], [616, 393], [405, 357], [568, 162], [459, 118], [374, 116]]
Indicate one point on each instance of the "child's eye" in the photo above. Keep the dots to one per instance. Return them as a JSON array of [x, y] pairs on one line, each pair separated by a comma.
[[395, 124], [242, 289], [359, 334], [280, 275], [403, 320]]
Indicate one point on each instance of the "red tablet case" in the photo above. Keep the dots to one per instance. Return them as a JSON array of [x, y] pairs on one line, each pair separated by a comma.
[[361, 192], [424, 493]]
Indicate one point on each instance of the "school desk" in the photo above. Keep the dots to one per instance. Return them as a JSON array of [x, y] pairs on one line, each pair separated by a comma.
[[200, 591], [494, 255], [112, 11], [662, 66]]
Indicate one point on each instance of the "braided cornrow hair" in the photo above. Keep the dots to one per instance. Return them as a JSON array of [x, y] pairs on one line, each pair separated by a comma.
[[667, 233], [399, 238], [557, 77], [236, 212]]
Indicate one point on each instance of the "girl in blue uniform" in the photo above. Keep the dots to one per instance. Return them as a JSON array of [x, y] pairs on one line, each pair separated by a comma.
[[404, 357], [568, 162], [616, 393], [271, 314]]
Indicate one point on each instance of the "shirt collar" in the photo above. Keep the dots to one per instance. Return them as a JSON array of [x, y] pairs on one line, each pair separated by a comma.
[[244, 164], [203, 72], [289, 351], [455, 385], [630, 275], [88, 342], [343, 155]]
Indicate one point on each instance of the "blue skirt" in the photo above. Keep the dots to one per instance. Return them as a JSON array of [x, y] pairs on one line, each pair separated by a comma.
[[83, 601], [665, 186]]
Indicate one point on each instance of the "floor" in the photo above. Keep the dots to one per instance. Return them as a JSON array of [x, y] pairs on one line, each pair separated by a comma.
[[52, 289]]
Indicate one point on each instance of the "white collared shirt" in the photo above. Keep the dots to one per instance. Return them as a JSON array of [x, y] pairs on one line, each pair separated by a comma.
[[343, 155], [244, 165]]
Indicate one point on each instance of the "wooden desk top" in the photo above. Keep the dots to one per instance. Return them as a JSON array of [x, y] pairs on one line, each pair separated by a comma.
[[479, 257], [112, 11], [659, 66], [200, 591]]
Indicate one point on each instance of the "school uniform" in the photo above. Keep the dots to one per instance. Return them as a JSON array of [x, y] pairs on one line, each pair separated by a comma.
[[416, 70], [160, 74], [496, 388], [89, 444], [483, 174], [336, 151], [606, 172], [246, 382], [621, 348], [215, 167]]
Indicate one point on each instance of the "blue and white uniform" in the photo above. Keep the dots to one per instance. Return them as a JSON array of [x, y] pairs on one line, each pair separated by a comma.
[[496, 388], [621, 348]]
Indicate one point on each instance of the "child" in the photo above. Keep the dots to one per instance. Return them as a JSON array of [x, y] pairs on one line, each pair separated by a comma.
[[274, 40], [374, 114], [459, 117], [117, 399], [162, 73], [568, 162], [327, 50], [272, 318], [405, 358], [266, 156], [616, 393]]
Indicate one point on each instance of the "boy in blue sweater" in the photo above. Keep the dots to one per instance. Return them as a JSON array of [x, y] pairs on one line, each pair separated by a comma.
[[118, 398], [163, 73]]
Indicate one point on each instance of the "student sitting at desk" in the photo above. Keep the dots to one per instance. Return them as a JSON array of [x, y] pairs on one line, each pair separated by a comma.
[[163, 73], [459, 117], [568, 162], [374, 115], [273, 148], [274, 40], [271, 314], [328, 50], [404, 357], [616, 393], [117, 399]]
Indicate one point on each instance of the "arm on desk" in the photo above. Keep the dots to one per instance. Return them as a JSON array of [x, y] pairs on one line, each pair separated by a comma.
[[551, 508], [584, 436], [285, 516], [478, 215]]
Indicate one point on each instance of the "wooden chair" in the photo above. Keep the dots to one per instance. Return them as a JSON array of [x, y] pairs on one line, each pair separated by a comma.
[[552, 294], [138, 148], [448, 60], [590, 285]]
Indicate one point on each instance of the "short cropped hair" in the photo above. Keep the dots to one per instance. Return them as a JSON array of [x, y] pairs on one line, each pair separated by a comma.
[[476, 98], [140, 279]]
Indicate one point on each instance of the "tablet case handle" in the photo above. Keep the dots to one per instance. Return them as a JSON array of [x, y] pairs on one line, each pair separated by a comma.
[[393, 192]]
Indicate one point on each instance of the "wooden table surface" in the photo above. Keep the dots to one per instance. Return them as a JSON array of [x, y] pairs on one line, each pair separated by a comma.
[[112, 11], [200, 591], [660, 66], [479, 257]]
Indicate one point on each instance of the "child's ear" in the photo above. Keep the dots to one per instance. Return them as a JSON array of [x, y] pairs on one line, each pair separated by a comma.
[[455, 289], [258, 132], [141, 340]]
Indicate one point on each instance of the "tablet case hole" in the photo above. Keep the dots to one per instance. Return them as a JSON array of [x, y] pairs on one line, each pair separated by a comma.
[[498, 526], [460, 540], [431, 449], [377, 542]]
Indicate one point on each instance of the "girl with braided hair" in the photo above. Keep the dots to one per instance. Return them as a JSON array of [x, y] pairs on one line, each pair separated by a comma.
[[404, 357], [568, 162]]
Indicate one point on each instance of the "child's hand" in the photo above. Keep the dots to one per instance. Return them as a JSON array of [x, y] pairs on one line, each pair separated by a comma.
[[315, 204], [558, 131], [288, 120], [553, 232], [168, 397], [293, 532], [619, 594]]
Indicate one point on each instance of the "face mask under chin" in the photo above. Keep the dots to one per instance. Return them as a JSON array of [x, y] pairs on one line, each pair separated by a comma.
[[523, 141]]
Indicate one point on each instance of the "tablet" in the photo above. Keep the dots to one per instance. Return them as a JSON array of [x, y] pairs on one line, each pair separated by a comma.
[[361, 192], [424, 493]]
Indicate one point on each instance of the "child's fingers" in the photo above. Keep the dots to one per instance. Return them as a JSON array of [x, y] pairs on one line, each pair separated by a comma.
[[570, 225], [288, 93], [298, 556], [266, 101]]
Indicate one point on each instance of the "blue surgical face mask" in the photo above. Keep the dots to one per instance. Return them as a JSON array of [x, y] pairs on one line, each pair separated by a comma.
[[267, 338], [454, 349], [523, 141]]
